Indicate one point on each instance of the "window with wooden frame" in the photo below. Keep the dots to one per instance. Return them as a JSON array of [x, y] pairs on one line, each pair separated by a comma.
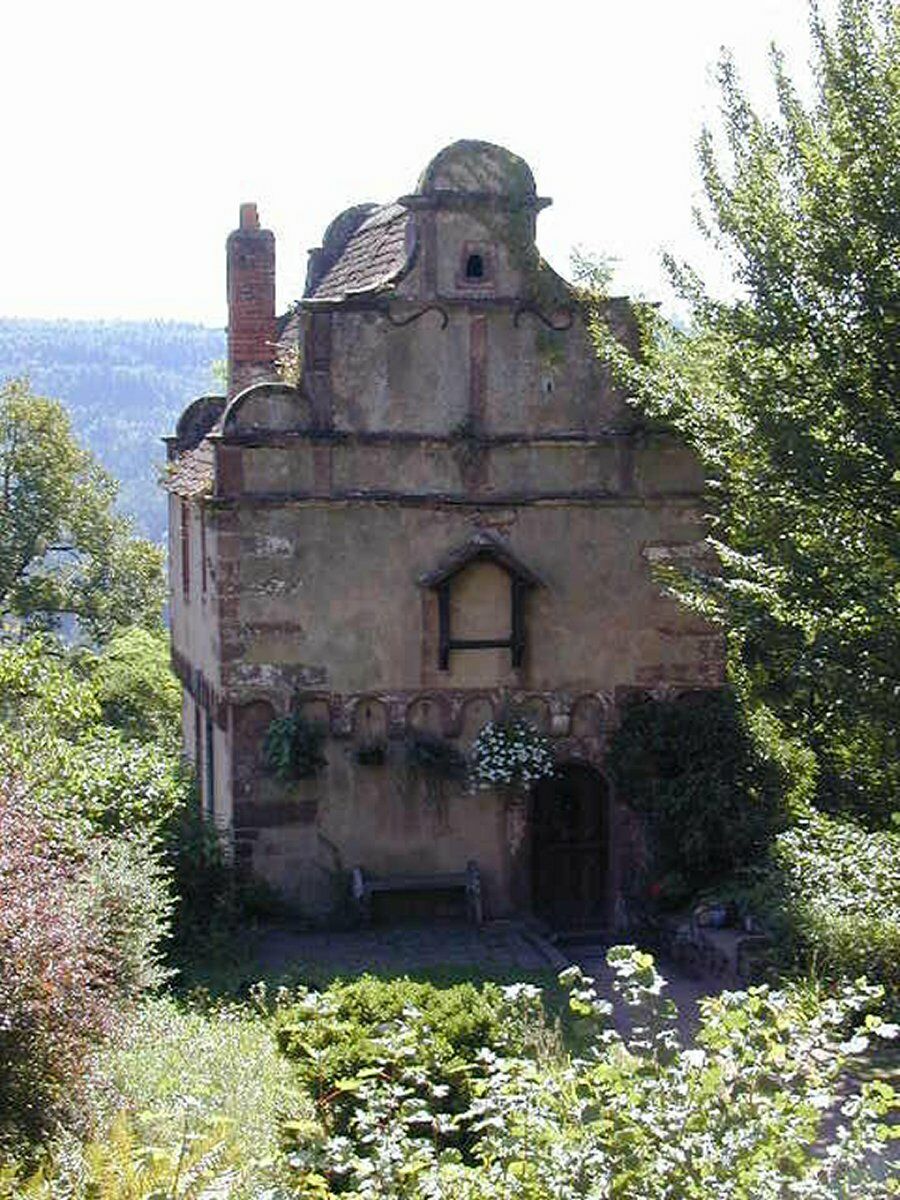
[[484, 548]]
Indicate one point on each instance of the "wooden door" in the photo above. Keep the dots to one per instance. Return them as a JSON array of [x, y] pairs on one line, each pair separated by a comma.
[[569, 848]]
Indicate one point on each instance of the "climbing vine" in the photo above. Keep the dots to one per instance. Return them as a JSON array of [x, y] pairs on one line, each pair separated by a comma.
[[293, 747]]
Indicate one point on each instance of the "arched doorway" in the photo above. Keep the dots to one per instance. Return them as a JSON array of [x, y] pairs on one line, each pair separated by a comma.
[[570, 848]]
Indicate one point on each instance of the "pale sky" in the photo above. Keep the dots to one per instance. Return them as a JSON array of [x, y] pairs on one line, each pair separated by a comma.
[[133, 131]]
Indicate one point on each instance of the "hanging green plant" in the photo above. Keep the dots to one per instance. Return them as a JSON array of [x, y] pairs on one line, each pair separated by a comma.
[[371, 754], [510, 753], [434, 755], [293, 747]]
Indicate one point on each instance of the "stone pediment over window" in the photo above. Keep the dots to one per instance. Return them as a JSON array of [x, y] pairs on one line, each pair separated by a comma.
[[482, 548]]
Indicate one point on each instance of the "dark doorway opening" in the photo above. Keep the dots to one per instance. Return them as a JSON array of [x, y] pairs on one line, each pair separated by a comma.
[[570, 848]]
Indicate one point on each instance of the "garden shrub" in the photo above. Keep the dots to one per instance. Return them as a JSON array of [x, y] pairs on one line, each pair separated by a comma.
[[829, 893], [59, 974], [713, 786], [207, 904], [127, 891], [337, 1037], [52, 733], [113, 784]]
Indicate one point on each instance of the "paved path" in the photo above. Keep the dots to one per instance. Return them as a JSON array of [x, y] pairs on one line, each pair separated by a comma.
[[684, 989], [498, 948]]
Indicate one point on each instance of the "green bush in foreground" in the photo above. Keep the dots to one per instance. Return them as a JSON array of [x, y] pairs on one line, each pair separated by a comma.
[[830, 896], [83, 770], [57, 978], [636, 1116], [763, 1106], [336, 1037]]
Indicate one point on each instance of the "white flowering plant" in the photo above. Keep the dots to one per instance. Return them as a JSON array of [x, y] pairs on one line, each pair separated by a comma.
[[510, 753]]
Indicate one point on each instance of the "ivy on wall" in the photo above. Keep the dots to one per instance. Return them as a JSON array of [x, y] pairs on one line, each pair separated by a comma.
[[712, 792]]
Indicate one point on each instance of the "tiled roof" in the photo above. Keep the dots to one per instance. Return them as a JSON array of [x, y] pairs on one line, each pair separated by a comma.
[[377, 253], [192, 473]]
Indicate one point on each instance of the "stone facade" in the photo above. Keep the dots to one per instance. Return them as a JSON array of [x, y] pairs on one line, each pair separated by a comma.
[[453, 466]]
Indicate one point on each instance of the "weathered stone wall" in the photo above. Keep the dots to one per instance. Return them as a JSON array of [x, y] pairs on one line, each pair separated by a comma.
[[326, 595], [505, 371], [328, 605]]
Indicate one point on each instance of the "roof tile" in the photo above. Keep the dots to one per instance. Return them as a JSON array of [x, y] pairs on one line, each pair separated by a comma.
[[374, 256]]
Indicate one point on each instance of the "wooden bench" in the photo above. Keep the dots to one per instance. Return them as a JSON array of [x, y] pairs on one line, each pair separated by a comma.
[[364, 887]]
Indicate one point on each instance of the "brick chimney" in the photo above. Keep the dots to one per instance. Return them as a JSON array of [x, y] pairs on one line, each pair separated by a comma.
[[251, 302]]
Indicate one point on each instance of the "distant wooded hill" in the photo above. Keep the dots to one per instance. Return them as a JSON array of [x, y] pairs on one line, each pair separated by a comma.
[[124, 383]]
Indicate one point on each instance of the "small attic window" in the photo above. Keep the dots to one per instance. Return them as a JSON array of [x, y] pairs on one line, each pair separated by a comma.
[[475, 266]]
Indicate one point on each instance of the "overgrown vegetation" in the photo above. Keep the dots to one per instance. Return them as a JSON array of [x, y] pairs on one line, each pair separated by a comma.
[[713, 786], [636, 1115], [92, 817], [58, 975], [829, 893], [398, 1090], [337, 1039]]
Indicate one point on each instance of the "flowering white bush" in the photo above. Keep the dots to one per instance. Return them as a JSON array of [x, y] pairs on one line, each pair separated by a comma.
[[510, 753]]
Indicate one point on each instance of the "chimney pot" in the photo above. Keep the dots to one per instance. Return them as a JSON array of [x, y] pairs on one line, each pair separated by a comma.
[[251, 303], [249, 217]]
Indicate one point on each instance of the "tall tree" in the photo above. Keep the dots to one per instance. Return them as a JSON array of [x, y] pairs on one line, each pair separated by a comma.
[[64, 550], [790, 395]]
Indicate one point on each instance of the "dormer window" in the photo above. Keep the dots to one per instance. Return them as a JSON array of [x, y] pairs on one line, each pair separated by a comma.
[[448, 579], [475, 267]]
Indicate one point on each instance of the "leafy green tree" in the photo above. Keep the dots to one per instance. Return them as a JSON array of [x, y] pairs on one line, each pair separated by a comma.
[[64, 550], [136, 688], [790, 395], [54, 738]]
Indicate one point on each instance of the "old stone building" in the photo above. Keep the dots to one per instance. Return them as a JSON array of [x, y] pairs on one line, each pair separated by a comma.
[[421, 499]]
